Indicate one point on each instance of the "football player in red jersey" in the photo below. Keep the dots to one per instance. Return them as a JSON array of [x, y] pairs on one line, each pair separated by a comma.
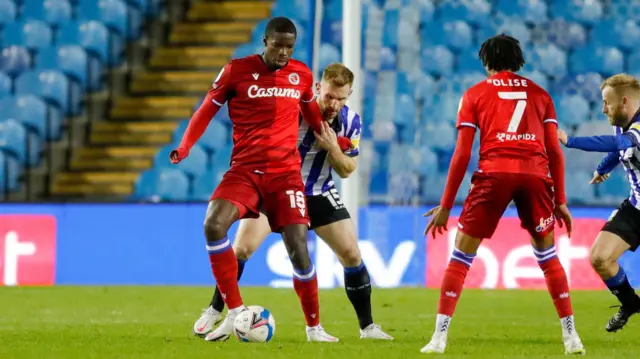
[[265, 94], [518, 149]]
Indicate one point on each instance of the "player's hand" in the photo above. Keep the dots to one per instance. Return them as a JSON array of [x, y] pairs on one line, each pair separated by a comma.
[[598, 178], [178, 155], [563, 137], [438, 222], [327, 139], [563, 216]]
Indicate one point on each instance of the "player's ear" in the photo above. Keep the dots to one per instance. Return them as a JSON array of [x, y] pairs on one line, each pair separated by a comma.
[[264, 41], [318, 87]]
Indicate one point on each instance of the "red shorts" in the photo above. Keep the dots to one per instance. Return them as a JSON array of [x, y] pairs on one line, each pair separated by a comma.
[[279, 195], [490, 195]]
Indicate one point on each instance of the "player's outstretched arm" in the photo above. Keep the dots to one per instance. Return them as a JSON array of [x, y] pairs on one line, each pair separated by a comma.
[[458, 165], [311, 113], [606, 143], [608, 163], [197, 125]]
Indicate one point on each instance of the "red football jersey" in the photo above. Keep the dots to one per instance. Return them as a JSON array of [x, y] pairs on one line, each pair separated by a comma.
[[264, 108], [510, 112]]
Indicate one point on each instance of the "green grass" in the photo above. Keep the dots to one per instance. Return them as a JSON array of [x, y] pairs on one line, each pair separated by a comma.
[[156, 322]]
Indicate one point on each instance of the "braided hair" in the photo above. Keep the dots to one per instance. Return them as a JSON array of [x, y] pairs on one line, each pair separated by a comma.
[[501, 53]]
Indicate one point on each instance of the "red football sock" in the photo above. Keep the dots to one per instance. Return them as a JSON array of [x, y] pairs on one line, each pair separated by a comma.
[[451, 287], [306, 286], [224, 266], [556, 278]]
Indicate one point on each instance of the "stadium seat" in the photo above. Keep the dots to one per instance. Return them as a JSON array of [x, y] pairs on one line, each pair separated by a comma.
[[440, 135], [216, 136], [95, 38], [51, 85], [328, 55], [53, 12], [15, 139], [573, 109], [115, 14], [7, 14], [295, 10], [14, 60], [586, 85], [539, 78], [74, 62], [623, 34], [454, 34], [166, 184], [33, 34], [437, 60], [587, 12], [195, 165], [475, 11], [403, 187], [567, 35], [533, 11], [433, 187], [34, 113], [605, 60], [5, 85], [247, 50], [550, 60], [204, 185], [221, 157], [10, 171], [580, 191]]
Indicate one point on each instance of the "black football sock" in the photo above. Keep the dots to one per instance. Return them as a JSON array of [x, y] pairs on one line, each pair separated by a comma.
[[217, 302], [620, 287], [357, 283]]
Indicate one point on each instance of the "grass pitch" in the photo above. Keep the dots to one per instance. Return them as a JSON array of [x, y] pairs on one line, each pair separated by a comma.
[[156, 322]]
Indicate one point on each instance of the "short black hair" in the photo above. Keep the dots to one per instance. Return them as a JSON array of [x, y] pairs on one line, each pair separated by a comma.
[[280, 24], [501, 53]]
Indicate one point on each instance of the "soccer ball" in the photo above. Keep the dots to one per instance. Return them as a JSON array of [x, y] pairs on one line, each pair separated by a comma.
[[255, 325]]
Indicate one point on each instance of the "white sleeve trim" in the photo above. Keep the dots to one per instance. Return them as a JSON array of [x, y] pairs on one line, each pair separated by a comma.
[[550, 120], [217, 103], [307, 101], [468, 124], [635, 134]]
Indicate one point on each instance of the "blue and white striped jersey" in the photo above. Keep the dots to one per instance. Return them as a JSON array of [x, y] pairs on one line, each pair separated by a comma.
[[316, 170], [630, 159]]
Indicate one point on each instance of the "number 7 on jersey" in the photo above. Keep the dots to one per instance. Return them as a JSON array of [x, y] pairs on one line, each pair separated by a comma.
[[521, 97]]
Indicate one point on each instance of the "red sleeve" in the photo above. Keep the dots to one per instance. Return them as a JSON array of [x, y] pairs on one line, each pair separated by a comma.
[[554, 152], [466, 112], [216, 97], [309, 107], [458, 165]]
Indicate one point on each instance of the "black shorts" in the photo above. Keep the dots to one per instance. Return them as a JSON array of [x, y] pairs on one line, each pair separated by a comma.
[[326, 208], [625, 223]]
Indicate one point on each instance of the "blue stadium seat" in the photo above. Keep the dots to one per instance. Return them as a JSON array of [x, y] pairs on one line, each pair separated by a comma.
[[246, 50], [539, 78], [614, 189], [613, 32], [166, 184], [204, 185], [573, 109], [403, 187], [550, 60], [221, 157], [459, 83], [388, 59], [475, 11], [533, 11], [195, 165], [425, 8], [383, 131], [74, 62], [433, 187], [51, 85], [7, 14], [512, 27], [405, 110], [438, 60], [567, 35], [587, 12], [587, 85], [53, 12], [391, 28], [34, 113], [10, 171], [295, 10], [605, 60], [468, 61], [216, 136], [94, 37], [328, 54], [580, 191], [5, 85], [15, 139], [428, 162], [425, 86], [115, 14], [440, 135], [14, 60], [33, 34], [454, 34]]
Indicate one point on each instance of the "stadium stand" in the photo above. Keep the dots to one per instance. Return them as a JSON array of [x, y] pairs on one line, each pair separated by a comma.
[[418, 58]]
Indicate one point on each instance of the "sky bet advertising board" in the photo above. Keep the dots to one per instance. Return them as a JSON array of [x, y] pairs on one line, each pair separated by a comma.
[[163, 244]]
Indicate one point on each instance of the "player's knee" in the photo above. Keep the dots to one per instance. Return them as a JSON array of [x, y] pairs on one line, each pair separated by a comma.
[[600, 260], [350, 257], [243, 252], [215, 229]]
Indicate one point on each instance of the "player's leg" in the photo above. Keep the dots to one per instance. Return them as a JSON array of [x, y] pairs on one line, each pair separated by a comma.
[[286, 208], [619, 234], [534, 201], [235, 197], [251, 233], [341, 238], [482, 210]]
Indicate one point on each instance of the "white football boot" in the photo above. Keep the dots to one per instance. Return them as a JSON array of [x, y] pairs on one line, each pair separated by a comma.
[[207, 320], [373, 331], [572, 343], [439, 339], [225, 330], [318, 334]]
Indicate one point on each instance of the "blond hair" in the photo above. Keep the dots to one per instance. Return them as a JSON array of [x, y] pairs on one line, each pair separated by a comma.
[[338, 75], [623, 84]]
